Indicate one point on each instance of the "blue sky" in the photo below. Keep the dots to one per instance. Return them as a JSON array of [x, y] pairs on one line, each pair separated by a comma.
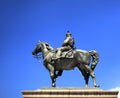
[[95, 24]]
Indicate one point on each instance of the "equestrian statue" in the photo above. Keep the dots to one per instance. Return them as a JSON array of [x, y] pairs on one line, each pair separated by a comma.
[[67, 57]]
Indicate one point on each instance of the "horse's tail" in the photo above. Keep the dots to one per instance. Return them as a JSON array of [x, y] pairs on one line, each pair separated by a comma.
[[95, 58]]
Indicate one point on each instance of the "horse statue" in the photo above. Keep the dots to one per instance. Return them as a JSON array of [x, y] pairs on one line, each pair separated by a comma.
[[79, 58]]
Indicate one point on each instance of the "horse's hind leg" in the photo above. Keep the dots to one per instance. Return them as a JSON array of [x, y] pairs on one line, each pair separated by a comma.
[[85, 75], [91, 72], [86, 79]]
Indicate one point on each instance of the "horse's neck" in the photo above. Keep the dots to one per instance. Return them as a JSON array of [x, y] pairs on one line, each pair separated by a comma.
[[44, 50]]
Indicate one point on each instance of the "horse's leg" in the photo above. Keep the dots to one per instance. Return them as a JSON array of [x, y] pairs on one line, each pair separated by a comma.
[[85, 75], [86, 79], [59, 73], [52, 75], [91, 72], [53, 80]]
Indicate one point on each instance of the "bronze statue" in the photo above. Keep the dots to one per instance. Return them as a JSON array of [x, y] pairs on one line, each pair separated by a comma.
[[67, 59]]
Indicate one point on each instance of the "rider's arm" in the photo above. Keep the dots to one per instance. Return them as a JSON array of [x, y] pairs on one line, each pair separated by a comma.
[[66, 41]]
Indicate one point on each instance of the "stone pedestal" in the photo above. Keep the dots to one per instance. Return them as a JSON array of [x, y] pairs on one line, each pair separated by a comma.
[[69, 93]]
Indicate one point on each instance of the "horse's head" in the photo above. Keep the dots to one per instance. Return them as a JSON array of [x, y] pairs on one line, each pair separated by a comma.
[[37, 49]]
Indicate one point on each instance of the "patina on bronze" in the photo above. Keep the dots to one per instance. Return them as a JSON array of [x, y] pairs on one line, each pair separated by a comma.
[[68, 59]]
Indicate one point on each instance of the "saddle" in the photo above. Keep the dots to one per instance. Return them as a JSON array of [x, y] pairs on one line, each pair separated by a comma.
[[65, 54]]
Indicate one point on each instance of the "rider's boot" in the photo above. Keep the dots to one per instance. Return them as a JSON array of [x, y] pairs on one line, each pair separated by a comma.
[[57, 55]]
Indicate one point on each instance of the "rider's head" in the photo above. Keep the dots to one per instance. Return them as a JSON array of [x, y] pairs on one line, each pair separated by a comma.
[[68, 34]]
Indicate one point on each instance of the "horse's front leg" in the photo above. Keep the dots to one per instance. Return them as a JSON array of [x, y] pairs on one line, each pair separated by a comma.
[[59, 73], [52, 75], [53, 79]]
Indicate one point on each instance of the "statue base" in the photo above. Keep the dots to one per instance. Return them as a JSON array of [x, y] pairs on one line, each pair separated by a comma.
[[69, 93]]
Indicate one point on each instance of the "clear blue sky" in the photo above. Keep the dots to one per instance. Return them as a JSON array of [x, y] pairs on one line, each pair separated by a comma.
[[95, 24]]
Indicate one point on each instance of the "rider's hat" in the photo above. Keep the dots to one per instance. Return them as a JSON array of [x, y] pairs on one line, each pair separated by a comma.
[[68, 33]]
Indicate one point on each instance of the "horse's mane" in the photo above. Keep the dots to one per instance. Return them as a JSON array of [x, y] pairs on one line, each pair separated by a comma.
[[48, 46]]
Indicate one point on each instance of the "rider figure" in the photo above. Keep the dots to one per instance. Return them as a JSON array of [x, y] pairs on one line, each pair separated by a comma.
[[68, 44]]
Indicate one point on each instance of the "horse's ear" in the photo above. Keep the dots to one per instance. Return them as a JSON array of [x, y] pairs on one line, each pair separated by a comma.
[[41, 45]]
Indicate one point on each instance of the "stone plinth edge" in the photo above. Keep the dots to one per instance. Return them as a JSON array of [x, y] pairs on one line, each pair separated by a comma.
[[69, 93]]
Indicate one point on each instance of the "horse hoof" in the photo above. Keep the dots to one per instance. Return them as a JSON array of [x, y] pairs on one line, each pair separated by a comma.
[[96, 86], [86, 86], [53, 85]]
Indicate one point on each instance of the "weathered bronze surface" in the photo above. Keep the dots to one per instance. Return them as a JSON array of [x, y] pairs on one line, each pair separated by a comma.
[[67, 58]]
